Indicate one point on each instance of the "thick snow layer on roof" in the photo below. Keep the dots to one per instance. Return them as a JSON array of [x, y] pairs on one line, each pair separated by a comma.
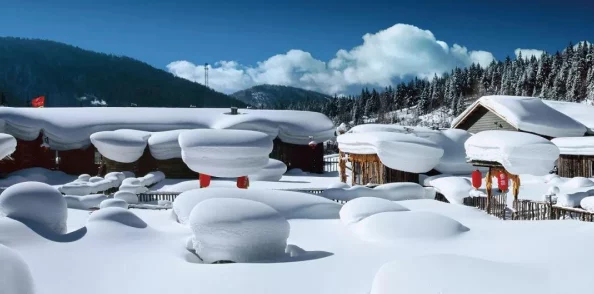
[[529, 114], [398, 151], [445, 273], [272, 172], [70, 128], [291, 205], [580, 112], [15, 276], [35, 203], [519, 153], [575, 145], [360, 208], [225, 153], [7, 145], [238, 230], [165, 145], [121, 145]]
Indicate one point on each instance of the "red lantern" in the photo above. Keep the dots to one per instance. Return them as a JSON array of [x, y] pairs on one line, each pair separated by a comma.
[[477, 179], [312, 144], [204, 180], [243, 182], [503, 181]]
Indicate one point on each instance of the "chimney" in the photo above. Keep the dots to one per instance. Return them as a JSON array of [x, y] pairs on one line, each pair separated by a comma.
[[234, 110]]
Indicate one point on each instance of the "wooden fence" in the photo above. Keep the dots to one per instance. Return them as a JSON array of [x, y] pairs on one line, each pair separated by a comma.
[[330, 164], [497, 207], [540, 210]]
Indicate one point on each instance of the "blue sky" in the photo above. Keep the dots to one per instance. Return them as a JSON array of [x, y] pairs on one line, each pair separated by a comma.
[[248, 32]]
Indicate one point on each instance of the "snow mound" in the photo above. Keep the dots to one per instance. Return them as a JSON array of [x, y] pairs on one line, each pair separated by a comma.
[[83, 178], [84, 202], [15, 275], [392, 227], [225, 153], [37, 203], [575, 145], [116, 215], [360, 208], [272, 172], [391, 191], [93, 185], [129, 197], [454, 189], [572, 199], [7, 145], [519, 153], [405, 152], [339, 185], [291, 205], [113, 203], [578, 182], [449, 274], [587, 203], [121, 145], [529, 114], [133, 185], [152, 178], [36, 174], [164, 145], [115, 177], [238, 230]]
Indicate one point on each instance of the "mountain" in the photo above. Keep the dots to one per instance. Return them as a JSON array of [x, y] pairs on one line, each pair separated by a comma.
[[70, 76], [275, 97]]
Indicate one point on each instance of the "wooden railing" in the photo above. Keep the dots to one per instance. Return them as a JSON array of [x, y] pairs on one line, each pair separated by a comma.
[[497, 207], [540, 210]]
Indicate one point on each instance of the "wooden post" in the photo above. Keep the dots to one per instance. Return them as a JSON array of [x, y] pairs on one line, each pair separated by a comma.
[[489, 184], [342, 166]]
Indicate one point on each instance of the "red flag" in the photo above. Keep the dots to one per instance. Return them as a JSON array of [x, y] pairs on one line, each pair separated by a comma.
[[38, 102]]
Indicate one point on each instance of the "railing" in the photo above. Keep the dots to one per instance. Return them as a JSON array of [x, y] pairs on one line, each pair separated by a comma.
[[539, 210], [497, 207], [153, 197], [330, 164]]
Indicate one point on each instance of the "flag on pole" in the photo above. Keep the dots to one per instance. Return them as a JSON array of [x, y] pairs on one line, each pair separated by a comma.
[[38, 102]]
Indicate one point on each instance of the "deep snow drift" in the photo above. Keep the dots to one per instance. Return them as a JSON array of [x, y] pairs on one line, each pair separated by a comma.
[[238, 230], [15, 276], [225, 153], [360, 208], [272, 172], [519, 153]]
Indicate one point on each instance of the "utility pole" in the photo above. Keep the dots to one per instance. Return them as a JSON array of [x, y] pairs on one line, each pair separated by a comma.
[[206, 74]]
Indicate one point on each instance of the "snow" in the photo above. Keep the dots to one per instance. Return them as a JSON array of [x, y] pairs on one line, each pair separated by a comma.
[[115, 216], [391, 191], [291, 205], [575, 145], [580, 112], [133, 185], [228, 153], [519, 153], [7, 145], [448, 273], [152, 178], [587, 203], [84, 202], [398, 151], [573, 199], [121, 145], [272, 172], [388, 227], [36, 174], [36, 204], [71, 128], [15, 275], [454, 189], [360, 208], [238, 230], [82, 186], [113, 203], [578, 182], [529, 114], [129, 197], [164, 145]]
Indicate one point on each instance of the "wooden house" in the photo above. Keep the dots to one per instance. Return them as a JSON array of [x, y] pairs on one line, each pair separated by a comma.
[[576, 157]]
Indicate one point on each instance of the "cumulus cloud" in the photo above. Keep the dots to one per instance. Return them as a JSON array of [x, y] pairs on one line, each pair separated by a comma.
[[384, 57], [528, 53]]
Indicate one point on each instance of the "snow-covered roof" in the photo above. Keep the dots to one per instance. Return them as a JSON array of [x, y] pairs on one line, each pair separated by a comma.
[[71, 128], [580, 112], [405, 152], [528, 114], [575, 145], [519, 153]]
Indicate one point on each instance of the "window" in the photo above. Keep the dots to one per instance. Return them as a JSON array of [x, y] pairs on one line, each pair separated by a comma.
[[97, 157]]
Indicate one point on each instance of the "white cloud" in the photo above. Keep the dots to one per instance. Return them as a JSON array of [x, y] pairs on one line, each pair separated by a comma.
[[388, 55], [528, 53]]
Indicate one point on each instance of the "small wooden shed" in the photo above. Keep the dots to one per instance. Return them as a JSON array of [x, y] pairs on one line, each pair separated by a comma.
[[576, 157], [368, 169]]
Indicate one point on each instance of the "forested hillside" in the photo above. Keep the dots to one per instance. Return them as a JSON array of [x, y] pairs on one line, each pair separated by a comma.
[[278, 97]]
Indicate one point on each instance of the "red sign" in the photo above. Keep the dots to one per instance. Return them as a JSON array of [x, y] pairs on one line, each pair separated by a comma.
[[38, 102], [503, 181], [477, 179], [204, 180]]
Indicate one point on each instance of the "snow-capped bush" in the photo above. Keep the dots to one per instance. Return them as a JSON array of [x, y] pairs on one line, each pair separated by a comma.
[[238, 230], [152, 178], [291, 205], [113, 203], [133, 185], [116, 215], [15, 276], [84, 202], [35, 202], [360, 208], [272, 172], [129, 197]]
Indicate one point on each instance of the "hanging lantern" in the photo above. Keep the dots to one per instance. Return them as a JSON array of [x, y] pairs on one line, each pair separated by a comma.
[[242, 182], [503, 181], [45, 145], [312, 144], [477, 179], [204, 180]]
